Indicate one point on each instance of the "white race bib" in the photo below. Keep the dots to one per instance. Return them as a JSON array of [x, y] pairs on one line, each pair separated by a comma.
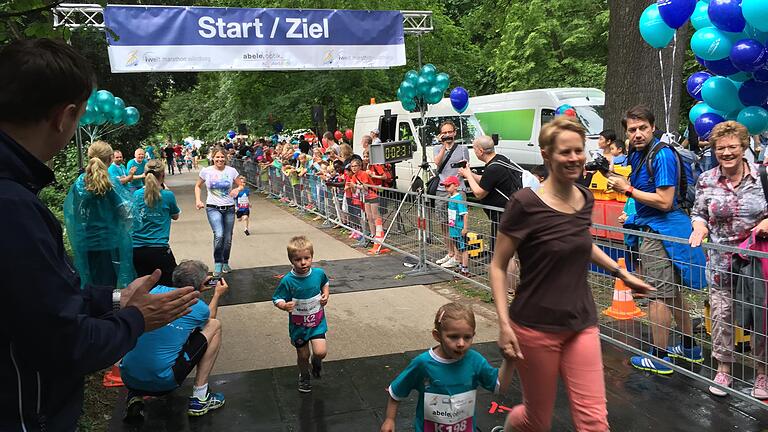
[[242, 202], [451, 217], [444, 413], [307, 312]]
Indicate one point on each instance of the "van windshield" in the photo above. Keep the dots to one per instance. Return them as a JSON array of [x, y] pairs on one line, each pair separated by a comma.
[[467, 128], [591, 116]]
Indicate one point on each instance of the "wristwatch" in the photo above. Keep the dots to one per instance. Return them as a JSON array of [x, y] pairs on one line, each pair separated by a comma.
[[629, 191], [116, 300]]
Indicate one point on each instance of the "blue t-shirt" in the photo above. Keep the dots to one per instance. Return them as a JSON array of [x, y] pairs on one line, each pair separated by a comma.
[[664, 174], [308, 317], [152, 225], [139, 171], [447, 388], [150, 152], [620, 160], [242, 201], [149, 365], [117, 170], [456, 211]]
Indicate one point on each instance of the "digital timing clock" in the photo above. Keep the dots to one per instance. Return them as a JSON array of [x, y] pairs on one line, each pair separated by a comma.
[[391, 152]]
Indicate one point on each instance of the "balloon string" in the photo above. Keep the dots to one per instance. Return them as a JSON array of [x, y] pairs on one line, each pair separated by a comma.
[[671, 82], [663, 89]]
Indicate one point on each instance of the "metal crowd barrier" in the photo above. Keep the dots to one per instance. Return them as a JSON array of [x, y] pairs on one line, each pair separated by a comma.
[[416, 226]]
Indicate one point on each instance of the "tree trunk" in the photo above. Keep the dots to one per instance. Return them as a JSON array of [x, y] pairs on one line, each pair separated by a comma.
[[634, 74]]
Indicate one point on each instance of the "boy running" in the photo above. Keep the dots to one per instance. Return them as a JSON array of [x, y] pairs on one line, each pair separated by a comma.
[[243, 209], [303, 293]]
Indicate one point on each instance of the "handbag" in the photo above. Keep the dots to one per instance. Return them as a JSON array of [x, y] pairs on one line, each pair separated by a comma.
[[434, 182]]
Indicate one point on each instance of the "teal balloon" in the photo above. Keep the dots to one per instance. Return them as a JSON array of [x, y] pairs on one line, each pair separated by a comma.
[[755, 119], [131, 116], [442, 81], [434, 96], [711, 43], [702, 108], [100, 119], [721, 94], [86, 119], [653, 29], [411, 76], [408, 90], [117, 116], [700, 17], [733, 115], [428, 71], [423, 86], [739, 78], [756, 13], [408, 105], [92, 99], [399, 95], [119, 104], [105, 101]]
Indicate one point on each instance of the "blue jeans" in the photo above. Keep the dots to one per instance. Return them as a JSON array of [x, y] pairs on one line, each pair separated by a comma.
[[222, 223]]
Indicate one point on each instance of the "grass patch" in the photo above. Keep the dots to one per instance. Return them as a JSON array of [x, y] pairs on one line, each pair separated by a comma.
[[99, 404], [471, 291]]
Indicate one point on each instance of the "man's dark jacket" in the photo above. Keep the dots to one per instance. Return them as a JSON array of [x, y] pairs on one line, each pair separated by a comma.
[[50, 335]]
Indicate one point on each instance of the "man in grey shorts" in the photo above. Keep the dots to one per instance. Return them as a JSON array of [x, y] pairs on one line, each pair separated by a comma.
[[447, 138], [667, 266]]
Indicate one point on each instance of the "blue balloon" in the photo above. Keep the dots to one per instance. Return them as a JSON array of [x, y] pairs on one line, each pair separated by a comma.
[[231, 134], [711, 44], [699, 109], [720, 93], [653, 29], [459, 99], [756, 13], [748, 55], [761, 75], [726, 15], [700, 17], [705, 123], [695, 82], [675, 13], [753, 93], [754, 118], [721, 67]]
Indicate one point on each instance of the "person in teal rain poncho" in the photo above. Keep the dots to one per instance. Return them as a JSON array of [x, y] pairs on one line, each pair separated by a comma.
[[98, 218]]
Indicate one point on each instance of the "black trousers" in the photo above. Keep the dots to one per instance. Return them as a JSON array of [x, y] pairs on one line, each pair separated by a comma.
[[147, 259]]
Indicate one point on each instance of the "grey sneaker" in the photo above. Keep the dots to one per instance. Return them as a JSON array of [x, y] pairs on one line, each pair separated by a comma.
[[305, 386], [226, 268]]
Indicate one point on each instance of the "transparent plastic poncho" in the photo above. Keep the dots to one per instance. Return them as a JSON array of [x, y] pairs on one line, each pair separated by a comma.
[[99, 229]]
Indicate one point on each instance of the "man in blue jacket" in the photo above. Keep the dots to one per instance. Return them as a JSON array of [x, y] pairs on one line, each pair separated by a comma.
[[54, 333], [666, 265]]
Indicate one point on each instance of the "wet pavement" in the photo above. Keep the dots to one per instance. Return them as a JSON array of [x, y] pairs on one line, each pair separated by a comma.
[[351, 397], [257, 284]]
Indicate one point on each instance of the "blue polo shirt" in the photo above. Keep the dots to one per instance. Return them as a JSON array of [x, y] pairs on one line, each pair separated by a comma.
[[149, 366], [152, 225], [139, 171], [664, 174]]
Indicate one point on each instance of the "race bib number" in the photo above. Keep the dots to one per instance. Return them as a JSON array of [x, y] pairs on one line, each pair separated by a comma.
[[307, 312], [242, 202], [452, 217], [444, 413]]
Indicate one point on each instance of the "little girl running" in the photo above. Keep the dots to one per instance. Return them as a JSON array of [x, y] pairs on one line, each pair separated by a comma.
[[447, 376], [303, 293]]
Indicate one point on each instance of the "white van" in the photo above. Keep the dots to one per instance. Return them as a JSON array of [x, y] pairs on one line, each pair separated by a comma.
[[515, 117]]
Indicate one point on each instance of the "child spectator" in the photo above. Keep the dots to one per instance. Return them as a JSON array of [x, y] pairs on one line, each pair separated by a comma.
[[303, 293], [458, 222], [243, 210], [540, 171], [619, 153], [447, 376], [361, 181]]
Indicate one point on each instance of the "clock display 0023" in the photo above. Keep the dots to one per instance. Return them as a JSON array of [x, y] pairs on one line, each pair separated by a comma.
[[390, 152]]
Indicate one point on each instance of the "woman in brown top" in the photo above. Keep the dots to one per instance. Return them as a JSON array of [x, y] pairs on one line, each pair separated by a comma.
[[550, 328]]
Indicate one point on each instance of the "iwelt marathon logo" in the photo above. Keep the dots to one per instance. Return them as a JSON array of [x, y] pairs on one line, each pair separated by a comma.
[[134, 58]]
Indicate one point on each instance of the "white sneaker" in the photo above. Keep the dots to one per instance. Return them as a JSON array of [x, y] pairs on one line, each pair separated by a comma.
[[443, 259], [450, 263]]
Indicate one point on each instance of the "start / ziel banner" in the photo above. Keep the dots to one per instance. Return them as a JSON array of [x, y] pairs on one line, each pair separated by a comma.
[[193, 39]]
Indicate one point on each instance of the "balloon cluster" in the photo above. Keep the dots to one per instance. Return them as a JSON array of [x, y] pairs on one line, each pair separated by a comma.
[[104, 107], [566, 110], [424, 87], [730, 41]]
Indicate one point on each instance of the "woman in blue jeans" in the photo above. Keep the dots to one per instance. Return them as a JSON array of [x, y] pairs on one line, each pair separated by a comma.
[[220, 181]]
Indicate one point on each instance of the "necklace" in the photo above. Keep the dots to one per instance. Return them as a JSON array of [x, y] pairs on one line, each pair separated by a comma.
[[564, 200]]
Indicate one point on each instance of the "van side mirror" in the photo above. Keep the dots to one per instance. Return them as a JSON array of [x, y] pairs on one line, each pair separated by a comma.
[[495, 138]]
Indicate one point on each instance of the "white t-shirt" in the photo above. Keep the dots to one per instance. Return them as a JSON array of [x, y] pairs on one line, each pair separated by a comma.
[[219, 184]]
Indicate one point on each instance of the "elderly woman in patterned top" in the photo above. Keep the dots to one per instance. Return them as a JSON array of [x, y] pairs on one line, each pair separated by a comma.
[[730, 205]]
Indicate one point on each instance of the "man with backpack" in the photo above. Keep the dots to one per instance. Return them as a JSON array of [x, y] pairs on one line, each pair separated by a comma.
[[659, 184]]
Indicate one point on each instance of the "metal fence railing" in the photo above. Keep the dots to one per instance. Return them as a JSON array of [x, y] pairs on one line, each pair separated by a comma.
[[417, 226]]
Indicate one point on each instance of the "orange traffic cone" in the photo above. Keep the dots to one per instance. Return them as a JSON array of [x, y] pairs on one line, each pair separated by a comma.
[[623, 307], [112, 377], [378, 248]]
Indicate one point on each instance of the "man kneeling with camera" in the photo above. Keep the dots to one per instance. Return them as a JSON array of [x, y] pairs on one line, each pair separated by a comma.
[[163, 358]]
